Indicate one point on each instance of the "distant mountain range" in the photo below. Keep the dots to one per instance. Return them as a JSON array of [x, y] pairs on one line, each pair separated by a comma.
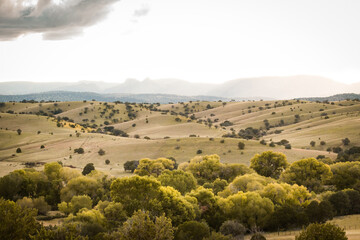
[[262, 87], [107, 97], [337, 97]]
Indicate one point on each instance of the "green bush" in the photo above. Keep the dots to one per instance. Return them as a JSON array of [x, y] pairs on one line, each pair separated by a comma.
[[325, 231]]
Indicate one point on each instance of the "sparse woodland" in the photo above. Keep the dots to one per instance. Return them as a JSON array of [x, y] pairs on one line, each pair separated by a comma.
[[196, 187]]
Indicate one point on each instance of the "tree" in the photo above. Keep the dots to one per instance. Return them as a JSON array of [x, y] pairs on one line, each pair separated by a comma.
[[233, 228], [82, 186], [38, 203], [192, 230], [79, 150], [312, 143], [246, 183], [88, 168], [346, 175], [19, 131], [205, 168], [341, 203], [319, 231], [147, 194], [148, 167], [18, 150], [269, 164], [141, 226], [182, 181], [346, 141], [249, 208], [17, 222], [101, 152], [131, 165], [241, 145], [319, 212], [107, 161], [308, 172], [210, 209]]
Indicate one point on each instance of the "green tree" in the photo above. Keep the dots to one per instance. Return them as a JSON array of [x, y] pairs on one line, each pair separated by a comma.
[[319, 231], [205, 168], [17, 222], [88, 168], [308, 172], [241, 145], [82, 186], [148, 167], [19, 131], [346, 175], [80, 202], [269, 164], [38, 203], [141, 226], [346, 141], [131, 165], [249, 208], [233, 228], [341, 203], [101, 152], [146, 193], [192, 230], [182, 181], [210, 209], [246, 183], [18, 150]]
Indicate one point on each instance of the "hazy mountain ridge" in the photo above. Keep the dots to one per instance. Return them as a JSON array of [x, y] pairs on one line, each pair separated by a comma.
[[337, 97], [263, 87], [88, 96]]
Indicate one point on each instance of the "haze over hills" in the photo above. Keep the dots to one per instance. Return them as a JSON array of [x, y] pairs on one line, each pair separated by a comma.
[[262, 87]]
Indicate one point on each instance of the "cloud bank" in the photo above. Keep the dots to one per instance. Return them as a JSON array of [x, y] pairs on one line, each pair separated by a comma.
[[55, 19]]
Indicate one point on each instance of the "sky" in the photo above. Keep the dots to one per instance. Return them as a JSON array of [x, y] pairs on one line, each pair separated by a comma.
[[195, 40]]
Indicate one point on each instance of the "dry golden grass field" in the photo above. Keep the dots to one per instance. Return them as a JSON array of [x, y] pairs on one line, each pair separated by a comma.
[[168, 128]]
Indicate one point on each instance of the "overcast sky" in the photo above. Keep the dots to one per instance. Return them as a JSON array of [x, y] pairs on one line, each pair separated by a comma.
[[196, 40]]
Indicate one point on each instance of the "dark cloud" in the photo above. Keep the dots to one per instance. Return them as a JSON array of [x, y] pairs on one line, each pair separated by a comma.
[[59, 19]]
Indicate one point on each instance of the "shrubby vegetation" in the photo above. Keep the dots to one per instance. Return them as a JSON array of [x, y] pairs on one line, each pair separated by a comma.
[[201, 199]]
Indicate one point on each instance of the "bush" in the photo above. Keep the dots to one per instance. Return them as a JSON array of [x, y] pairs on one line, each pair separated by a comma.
[[325, 231], [241, 145], [233, 228], [312, 143], [101, 152], [107, 161], [18, 150], [345, 141], [88, 168], [79, 150], [42, 146], [287, 146], [199, 151], [222, 141]]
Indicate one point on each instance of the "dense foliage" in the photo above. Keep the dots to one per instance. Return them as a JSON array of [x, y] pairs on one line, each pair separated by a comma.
[[202, 199]]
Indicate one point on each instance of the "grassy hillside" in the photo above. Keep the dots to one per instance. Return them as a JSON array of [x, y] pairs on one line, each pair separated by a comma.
[[169, 128]]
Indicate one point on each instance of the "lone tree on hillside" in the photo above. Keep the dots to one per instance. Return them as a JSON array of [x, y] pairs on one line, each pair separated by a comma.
[[101, 152], [241, 145], [19, 131], [88, 168], [345, 141]]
